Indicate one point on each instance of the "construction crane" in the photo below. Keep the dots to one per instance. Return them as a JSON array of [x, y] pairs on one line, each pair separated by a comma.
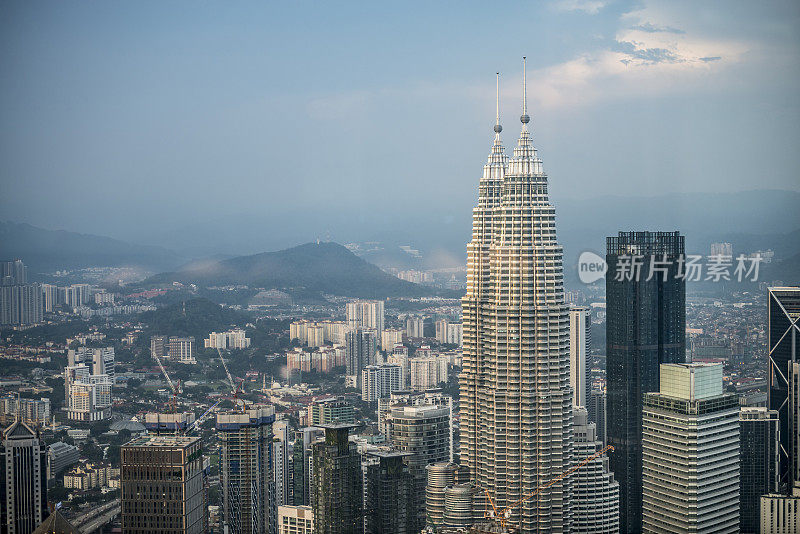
[[505, 514], [175, 390], [199, 420], [234, 388]]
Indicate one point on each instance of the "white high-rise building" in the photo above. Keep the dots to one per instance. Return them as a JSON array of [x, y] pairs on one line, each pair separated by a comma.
[[690, 452], [516, 401], [415, 326], [100, 360], [596, 493], [580, 329], [366, 314], [281, 451], [379, 381], [391, 338], [427, 373], [232, 339]]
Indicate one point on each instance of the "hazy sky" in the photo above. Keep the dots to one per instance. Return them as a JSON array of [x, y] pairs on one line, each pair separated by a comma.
[[142, 120]]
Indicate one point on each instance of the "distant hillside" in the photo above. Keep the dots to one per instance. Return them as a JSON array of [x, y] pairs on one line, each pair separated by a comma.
[[49, 250], [194, 317], [319, 267]]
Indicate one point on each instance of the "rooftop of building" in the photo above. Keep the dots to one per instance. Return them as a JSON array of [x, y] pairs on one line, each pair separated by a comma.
[[162, 441]]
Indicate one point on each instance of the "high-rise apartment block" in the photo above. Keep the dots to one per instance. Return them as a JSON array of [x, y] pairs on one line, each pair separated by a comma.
[[177, 349], [328, 411], [427, 372], [690, 436], [645, 327], [415, 326], [580, 335], [596, 493], [516, 343], [34, 412], [246, 479], [366, 314], [379, 381], [390, 338], [337, 488], [783, 340], [758, 463], [23, 482], [164, 486], [281, 457], [780, 513], [232, 339], [21, 303], [360, 346]]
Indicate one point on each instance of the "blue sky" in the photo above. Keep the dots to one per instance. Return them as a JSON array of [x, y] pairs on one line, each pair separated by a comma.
[[143, 119]]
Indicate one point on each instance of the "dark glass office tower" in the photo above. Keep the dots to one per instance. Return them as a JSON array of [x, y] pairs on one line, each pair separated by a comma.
[[758, 463], [390, 495], [646, 326], [337, 483], [783, 314]]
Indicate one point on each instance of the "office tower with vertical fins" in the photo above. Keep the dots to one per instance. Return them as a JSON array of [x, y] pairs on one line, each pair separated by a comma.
[[690, 453], [163, 486], [23, 486], [645, 327], [516, 401]]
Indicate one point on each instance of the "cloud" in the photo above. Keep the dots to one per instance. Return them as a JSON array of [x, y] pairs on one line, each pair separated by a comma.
[[649, 27], [712, 58], [647, 55], [592, 7]]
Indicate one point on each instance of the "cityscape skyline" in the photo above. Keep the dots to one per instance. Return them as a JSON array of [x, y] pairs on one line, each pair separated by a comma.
[[638, 376]]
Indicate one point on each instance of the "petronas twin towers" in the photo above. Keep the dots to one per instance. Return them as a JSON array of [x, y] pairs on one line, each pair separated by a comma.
[[516, 401]]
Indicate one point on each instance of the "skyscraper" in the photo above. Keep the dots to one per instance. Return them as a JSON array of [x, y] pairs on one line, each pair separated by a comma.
[[424, 433], [580, 335], [301, 465], [690, 453], [23, 486], [645, 327], [163, 486], [248, 491], [367, 314], [378, 381], [337, 483], [758, 463], [361, 346], [391, 498], [783, 328], [280, 454], [516, 403], [596, 493]]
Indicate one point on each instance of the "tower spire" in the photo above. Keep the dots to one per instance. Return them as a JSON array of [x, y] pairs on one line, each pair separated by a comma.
[[497, 127], [524, 119]]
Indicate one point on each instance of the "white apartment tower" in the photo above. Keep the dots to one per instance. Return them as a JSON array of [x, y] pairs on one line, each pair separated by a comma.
[[366, 314], [580, 328], [516, 401]]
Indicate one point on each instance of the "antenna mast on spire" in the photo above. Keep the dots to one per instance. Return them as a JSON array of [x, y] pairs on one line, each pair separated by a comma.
[[497, 127], [524, 119]]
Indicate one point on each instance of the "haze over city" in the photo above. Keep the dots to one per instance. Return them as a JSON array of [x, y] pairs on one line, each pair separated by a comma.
[[196, 127]]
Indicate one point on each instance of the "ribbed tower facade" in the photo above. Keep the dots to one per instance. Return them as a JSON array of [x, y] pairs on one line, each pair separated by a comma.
[[516, 401]]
